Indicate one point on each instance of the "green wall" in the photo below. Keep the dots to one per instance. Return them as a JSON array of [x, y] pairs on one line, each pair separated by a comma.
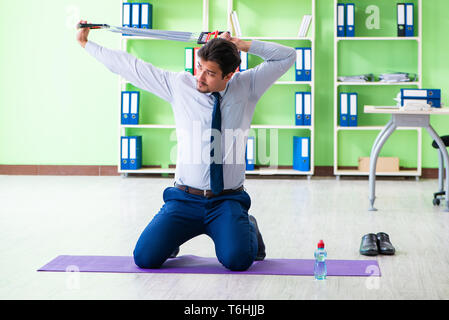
[[58, 106]]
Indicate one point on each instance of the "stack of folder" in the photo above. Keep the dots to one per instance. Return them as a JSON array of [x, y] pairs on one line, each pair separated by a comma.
[[397, 77], [303, 65], [358, 78], [405, 19], [130, 107], [301, 153], [137, 15], [345, 20], [305, 24], [250, 153], [131, 153], [348, 109], [431, 97], [303, 108]]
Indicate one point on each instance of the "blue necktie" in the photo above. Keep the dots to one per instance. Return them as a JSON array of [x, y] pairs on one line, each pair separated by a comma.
[[216, 169]]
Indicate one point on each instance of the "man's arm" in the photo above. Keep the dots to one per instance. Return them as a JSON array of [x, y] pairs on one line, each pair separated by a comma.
[[278, 59], [141, 74]]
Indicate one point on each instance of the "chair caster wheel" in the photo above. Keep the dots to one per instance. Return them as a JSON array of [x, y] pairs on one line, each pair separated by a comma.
[[436, 202]]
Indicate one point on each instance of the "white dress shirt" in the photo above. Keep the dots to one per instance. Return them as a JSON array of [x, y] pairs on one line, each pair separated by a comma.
[[193, 109]]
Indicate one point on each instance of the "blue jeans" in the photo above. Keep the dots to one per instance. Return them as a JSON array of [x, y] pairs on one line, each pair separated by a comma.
[[185, 216]]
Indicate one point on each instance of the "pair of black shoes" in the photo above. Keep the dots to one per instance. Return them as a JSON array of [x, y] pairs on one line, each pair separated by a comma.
[[261, 246], [373, 244]]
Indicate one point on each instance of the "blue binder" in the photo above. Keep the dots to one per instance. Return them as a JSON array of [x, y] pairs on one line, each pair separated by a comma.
[[307, 64], [135, 16], [126, 15], [421, 93], [340, 20], [352, 98], [250, 153], [307, 108], [344, 106], [350, 15], [299, 109], [299, 65], [301, 153], [135, 152], [146, 15], [134, 107], [126, 99], [124, 151], [244, 58], [401, 19], [434, 103], [409, 20]]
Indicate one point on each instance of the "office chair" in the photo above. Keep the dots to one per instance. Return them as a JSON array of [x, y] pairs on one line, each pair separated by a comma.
[[437, 196]]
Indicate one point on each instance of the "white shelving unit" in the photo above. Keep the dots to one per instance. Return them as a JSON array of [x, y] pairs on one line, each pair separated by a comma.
[[311, 39], [261, 171], [339, 172]]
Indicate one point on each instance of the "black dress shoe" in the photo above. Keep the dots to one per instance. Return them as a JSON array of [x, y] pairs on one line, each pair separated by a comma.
[[384, 244], [174, 253], [368, 246], [260, 245]]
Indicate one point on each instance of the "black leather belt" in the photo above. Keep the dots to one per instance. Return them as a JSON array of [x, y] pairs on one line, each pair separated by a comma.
[[207, 193]]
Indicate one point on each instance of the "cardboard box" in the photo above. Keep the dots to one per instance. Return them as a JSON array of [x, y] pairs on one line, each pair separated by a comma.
[[384, 164]]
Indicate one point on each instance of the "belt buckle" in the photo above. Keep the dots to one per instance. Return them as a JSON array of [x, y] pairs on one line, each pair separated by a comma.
[[205, 193]]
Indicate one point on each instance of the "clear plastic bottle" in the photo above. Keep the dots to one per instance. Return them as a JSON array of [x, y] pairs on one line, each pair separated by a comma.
[[320, 269]]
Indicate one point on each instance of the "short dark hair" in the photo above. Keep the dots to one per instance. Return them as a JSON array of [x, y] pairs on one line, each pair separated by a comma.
[[223, 52]]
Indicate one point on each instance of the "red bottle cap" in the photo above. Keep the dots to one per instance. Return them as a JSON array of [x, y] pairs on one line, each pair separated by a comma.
[[321, 244]]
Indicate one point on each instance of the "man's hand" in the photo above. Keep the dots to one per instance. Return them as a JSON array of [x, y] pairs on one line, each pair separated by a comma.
[[241, 45], [82, 35]]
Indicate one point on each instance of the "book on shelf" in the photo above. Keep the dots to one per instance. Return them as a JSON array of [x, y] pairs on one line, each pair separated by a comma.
[[305, 24], [235, 24]]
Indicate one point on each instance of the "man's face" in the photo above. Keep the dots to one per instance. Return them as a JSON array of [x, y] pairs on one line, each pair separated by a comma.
[[210, 77]]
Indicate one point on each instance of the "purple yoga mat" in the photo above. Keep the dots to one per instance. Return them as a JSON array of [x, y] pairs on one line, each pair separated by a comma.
[[194, 264]]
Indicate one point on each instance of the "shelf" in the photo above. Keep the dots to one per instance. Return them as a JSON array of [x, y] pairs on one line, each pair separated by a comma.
[[242, 38], [339, 55], [276, 38], [377, 38], [290, 39], [268, 171], [293, 82], [172, 126], [149, 126], [124, 82], [269, 126], [150, 170], [368, 128], [399, 173], [248, 172], [376, 83]]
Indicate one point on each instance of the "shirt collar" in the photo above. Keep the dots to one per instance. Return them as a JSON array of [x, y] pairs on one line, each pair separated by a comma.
[[222, 93]]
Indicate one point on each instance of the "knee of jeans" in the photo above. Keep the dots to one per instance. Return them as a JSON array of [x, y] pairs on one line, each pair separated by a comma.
[[146, 261], [237, 261]]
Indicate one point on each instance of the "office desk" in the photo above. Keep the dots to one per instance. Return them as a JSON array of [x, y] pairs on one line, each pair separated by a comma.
[[401, 118]]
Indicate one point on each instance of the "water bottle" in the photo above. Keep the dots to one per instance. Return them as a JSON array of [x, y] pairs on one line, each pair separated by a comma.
[[320, 269]]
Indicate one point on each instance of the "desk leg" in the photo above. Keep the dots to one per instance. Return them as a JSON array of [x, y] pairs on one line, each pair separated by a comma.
[[440, 171], [443, 151], [377, 146], [382, 132]]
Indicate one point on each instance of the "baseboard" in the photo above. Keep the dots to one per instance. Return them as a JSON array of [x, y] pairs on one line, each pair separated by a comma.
[[73, 170]]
